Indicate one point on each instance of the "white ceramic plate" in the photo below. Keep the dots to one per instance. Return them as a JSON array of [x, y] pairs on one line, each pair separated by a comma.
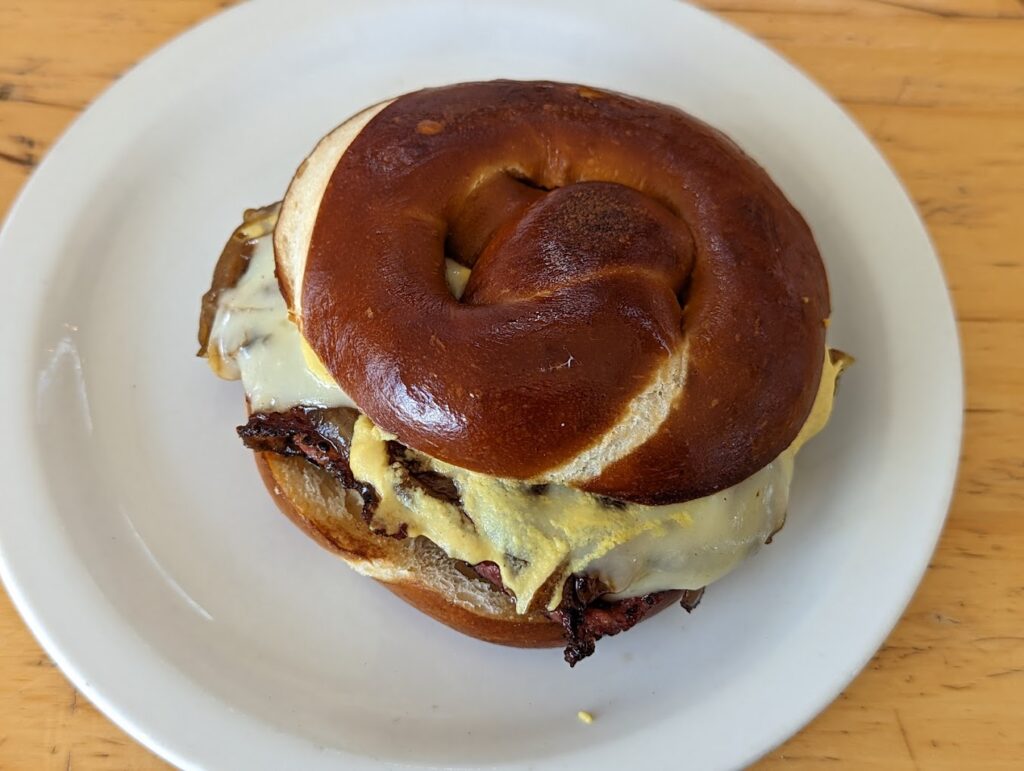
[[146, 556]]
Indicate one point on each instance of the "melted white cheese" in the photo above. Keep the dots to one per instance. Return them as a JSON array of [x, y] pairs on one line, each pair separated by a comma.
[[254, 340], [457, 277]]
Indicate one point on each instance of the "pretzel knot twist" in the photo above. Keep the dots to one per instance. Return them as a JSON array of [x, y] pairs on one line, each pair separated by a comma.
[[645, 314]]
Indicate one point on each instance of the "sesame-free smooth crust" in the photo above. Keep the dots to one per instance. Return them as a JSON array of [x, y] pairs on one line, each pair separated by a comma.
[[606, 234]]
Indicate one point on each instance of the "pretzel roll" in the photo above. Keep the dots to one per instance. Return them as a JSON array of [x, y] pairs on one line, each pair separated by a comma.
[[645, 314]]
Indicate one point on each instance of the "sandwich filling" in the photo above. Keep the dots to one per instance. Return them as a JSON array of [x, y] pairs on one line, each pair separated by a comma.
[[536, 534]]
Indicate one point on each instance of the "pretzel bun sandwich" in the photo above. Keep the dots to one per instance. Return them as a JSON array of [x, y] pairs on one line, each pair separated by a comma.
[[537, 357]]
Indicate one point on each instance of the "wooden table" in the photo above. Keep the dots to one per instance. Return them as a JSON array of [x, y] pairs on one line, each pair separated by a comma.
[[939, 85]]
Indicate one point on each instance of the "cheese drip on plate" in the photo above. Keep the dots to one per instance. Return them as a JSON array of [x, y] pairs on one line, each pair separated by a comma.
[[537, 535]]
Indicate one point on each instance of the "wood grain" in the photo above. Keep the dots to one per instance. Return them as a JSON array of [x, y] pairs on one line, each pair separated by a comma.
[[939, 85]]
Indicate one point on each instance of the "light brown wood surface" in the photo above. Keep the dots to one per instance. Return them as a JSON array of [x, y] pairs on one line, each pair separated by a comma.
[[939, 85]]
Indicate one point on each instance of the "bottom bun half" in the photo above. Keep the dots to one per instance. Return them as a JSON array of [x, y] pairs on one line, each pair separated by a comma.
[[415, 569]]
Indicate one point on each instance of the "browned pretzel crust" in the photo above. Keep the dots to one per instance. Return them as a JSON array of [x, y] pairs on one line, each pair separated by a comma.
[[605, 233]]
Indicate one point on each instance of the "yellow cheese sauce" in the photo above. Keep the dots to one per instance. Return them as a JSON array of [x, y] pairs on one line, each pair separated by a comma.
[[537, 541]]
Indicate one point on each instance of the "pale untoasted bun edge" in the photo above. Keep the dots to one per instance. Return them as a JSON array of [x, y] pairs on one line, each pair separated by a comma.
[[414, 569], [301, 205]]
